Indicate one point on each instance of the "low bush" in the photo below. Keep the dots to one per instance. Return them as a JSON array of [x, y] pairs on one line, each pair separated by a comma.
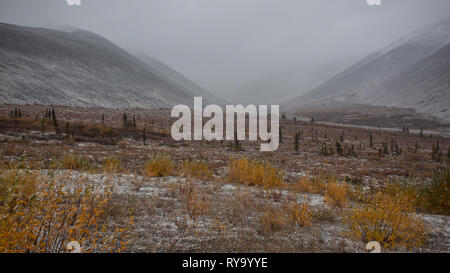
[[300, 214], [74, 162], [336, 195], [195, 169], [254, 173], [40, 214], [159, 166], [310, 185], [112, 165], [390, 221]]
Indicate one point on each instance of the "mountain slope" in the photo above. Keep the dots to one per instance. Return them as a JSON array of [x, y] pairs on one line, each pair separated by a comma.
[[77, 68], [284, 83], [365, 82], [166, 72]]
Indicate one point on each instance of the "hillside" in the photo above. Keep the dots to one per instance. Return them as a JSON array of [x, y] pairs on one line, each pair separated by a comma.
[[78, 68], [284, 83], [369, 81], [171, 75], [425, 86]]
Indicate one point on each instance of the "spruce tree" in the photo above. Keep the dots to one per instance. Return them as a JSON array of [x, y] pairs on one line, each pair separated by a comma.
[[125, 120], [144, 136], [339, 149], [296, 139]]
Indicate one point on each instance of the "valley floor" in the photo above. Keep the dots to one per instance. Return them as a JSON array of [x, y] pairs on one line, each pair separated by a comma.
[[185, 196]]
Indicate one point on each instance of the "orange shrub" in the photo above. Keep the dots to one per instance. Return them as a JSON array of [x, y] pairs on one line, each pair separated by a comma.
[[159, 166], [336, 195], [307, 185], [300, 214], [389, 221], [254, 173], [195, 169], [74, 162], [41, 215], [112, 165]]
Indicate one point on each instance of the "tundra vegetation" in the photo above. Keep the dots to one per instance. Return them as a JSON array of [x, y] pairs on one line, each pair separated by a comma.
[[117, 181]]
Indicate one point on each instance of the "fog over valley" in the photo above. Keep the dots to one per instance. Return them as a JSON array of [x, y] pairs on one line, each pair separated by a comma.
[[224, 46]]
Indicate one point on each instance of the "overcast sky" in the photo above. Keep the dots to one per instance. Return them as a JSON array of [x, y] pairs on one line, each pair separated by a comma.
[[224, 44]]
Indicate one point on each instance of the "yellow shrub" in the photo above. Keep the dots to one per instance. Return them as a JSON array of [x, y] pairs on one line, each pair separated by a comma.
[[159, 166], [38, 214], [307, 185], [254, 173], [388, 220], [195, 169], [336, 195], [74, 162], [112, 164], [300, 214]]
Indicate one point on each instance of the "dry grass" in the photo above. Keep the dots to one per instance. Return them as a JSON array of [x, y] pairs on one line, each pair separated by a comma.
[[159, 166], [253, 173], [308, 185], [272, 220], [112, 165], [74, 162], [195, 170], [336, 195]]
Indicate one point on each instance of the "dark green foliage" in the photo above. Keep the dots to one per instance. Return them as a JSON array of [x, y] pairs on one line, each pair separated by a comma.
[[296, 140], [339, 149], [125, 120], [144, 136], [436, 153], [16, 113]]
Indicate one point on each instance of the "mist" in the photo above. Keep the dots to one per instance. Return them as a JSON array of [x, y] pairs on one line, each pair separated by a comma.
[[224, 44]]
